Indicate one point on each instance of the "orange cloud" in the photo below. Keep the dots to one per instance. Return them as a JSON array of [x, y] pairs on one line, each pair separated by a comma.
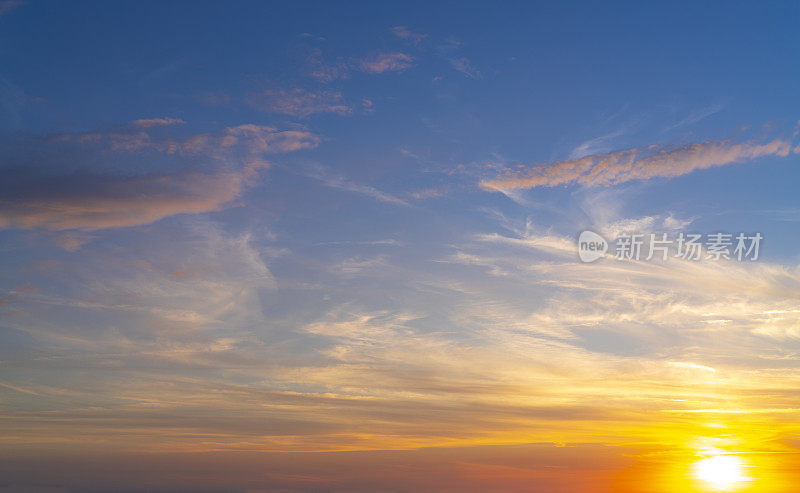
[[638, 163]]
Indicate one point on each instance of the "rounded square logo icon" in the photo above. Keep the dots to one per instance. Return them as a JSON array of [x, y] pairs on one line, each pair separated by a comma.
[[591, 246]]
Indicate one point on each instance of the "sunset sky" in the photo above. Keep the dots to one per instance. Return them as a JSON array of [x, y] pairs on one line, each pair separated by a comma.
[[315, 246]]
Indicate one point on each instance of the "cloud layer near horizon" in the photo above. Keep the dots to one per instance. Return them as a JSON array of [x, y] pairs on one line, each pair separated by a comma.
[[638, 163]]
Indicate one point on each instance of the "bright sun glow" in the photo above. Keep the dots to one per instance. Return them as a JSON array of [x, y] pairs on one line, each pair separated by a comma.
[[721, 472]]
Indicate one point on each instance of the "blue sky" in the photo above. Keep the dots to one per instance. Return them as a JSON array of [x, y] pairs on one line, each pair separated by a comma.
[[279, 229], [535, 90]]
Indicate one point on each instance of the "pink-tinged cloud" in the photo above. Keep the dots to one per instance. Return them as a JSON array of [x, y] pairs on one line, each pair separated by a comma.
[[158, 122], [386, 62], [299, 102], [406, 34], [249, 137], [318, 68], [210, 173], [268, 140], [639, 163]]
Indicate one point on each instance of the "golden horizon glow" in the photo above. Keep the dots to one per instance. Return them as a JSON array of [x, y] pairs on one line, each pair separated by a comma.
[[306, 246]]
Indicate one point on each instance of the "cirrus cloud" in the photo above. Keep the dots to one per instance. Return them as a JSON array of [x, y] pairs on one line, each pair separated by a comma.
[[638, 163]]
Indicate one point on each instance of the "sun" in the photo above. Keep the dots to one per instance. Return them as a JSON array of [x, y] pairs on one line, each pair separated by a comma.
[[721, 472]]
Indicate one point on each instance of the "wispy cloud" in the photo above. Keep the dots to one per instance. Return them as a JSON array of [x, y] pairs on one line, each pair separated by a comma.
[[72, 241], [596, 145], [639, 163], [324, 71], [386, 62], [449, 50], [342, 183], [465, 66], [158, 122], [698, 115], [752, 299], [300, 102], [208, 172], [406, 34]]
